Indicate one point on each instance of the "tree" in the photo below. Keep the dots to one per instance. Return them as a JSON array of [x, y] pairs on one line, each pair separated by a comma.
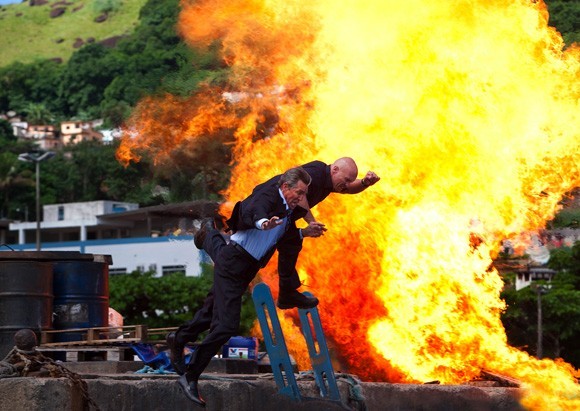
[[86, 77], [168, 301], [38, 113], [21, 84], [565, 16], [16, 177], [6, 134], [157, 301], [88, 171], [560, 309]]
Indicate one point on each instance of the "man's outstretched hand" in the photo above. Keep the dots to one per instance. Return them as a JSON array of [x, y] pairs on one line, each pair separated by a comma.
[[314, 229]]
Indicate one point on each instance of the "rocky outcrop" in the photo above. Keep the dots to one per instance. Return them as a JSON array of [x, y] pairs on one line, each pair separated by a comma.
[[78, 43], [101, 18], [57, 12], [111, 41]]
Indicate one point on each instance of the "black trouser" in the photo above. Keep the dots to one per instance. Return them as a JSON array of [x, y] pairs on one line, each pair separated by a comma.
[[233, 273], [213, 244], [289, 248]]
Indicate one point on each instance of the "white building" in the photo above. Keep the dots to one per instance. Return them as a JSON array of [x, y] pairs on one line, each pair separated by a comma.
[[158, 238], [74, 132]]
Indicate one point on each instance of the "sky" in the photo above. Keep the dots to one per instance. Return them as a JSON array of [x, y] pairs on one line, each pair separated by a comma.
[[2, 2]]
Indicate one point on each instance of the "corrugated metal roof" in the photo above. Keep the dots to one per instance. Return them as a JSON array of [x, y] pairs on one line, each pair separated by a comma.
[[190, 209]]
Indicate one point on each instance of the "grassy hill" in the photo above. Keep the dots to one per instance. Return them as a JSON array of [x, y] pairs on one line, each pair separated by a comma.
[[28, 32]]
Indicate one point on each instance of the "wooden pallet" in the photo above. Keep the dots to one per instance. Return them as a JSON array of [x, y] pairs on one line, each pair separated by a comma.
[[78, 354], [101, 336]]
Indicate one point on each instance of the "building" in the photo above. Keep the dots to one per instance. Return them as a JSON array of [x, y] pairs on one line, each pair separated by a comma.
[[528, 274], [74, 132], [44, 135], [6, 236], [50, 137], [158, 238]]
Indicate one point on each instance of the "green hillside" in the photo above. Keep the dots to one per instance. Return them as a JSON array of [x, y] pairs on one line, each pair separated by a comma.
[[28, 32]]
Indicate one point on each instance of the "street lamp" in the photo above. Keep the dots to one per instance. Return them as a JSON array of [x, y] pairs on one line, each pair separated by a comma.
[[37, 158], [541, 289]]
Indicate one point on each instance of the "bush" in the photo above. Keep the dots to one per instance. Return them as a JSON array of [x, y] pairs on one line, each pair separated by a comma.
[[566, 218], [106, 6], [168, 301]]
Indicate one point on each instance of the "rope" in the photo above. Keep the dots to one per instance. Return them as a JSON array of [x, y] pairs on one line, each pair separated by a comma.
[[19, 363], [7, 370], [355, 394]]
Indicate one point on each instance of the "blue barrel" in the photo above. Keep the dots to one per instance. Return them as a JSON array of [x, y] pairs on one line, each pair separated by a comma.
[[25, 299], [81, 297], [241, 347]]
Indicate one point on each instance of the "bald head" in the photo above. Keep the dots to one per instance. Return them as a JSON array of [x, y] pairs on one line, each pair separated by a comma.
[[343, 172]]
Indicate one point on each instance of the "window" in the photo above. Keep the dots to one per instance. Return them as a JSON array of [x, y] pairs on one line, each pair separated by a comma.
[[119, 208], [60, 213], [117, 271], [172, 269]]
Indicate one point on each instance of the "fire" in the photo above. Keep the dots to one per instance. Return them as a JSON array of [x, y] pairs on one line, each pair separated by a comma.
[[469, 113]]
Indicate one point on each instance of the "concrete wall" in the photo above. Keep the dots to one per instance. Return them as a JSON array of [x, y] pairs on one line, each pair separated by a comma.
[[142, 393]]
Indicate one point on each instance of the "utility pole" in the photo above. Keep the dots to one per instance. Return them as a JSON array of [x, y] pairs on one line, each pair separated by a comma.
[[37, 158]]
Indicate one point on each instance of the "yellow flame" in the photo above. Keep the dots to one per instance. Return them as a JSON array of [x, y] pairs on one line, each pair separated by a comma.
[[468, 110]]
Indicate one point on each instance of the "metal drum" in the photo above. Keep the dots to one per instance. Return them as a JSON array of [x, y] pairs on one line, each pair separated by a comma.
[[25, 299], [81, 297]]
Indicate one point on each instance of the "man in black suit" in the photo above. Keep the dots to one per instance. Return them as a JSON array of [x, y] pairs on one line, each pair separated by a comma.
[[338, 177], [258, 223]]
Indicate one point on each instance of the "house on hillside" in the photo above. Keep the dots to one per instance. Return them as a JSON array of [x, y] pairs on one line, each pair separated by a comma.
[[46, 136], [19, 128], [73, 132], [529, 274]]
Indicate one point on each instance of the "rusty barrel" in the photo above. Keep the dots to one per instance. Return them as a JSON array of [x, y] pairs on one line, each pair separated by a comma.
[[25, 299]]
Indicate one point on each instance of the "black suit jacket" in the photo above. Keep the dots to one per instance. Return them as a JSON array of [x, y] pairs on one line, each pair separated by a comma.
[[264, 202]]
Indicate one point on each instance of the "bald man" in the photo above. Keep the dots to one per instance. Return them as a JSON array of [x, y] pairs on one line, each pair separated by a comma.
[[338, 177]]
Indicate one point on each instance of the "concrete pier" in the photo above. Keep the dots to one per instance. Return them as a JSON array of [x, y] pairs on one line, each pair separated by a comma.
[[143, 392]]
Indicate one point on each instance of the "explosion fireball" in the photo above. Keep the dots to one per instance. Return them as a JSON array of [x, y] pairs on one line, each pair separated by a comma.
[[469, 112]]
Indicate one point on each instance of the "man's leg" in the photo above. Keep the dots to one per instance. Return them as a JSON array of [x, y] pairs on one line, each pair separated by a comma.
[[289, 248], [188, 332], [209, 239], [232, 275], [213, 243], [288, 279]]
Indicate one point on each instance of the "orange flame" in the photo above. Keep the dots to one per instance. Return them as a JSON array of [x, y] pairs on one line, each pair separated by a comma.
[[468, 110]]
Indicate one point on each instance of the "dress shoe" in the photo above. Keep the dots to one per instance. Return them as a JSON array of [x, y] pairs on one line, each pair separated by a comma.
[[291, 299], [190, 390], [199, 237], [175, 353], [220, 222]]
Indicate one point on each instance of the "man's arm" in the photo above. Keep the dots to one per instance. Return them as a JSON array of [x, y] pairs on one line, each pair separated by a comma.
[[304, 204], [362, 184], [314, 229], [263, 209]]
